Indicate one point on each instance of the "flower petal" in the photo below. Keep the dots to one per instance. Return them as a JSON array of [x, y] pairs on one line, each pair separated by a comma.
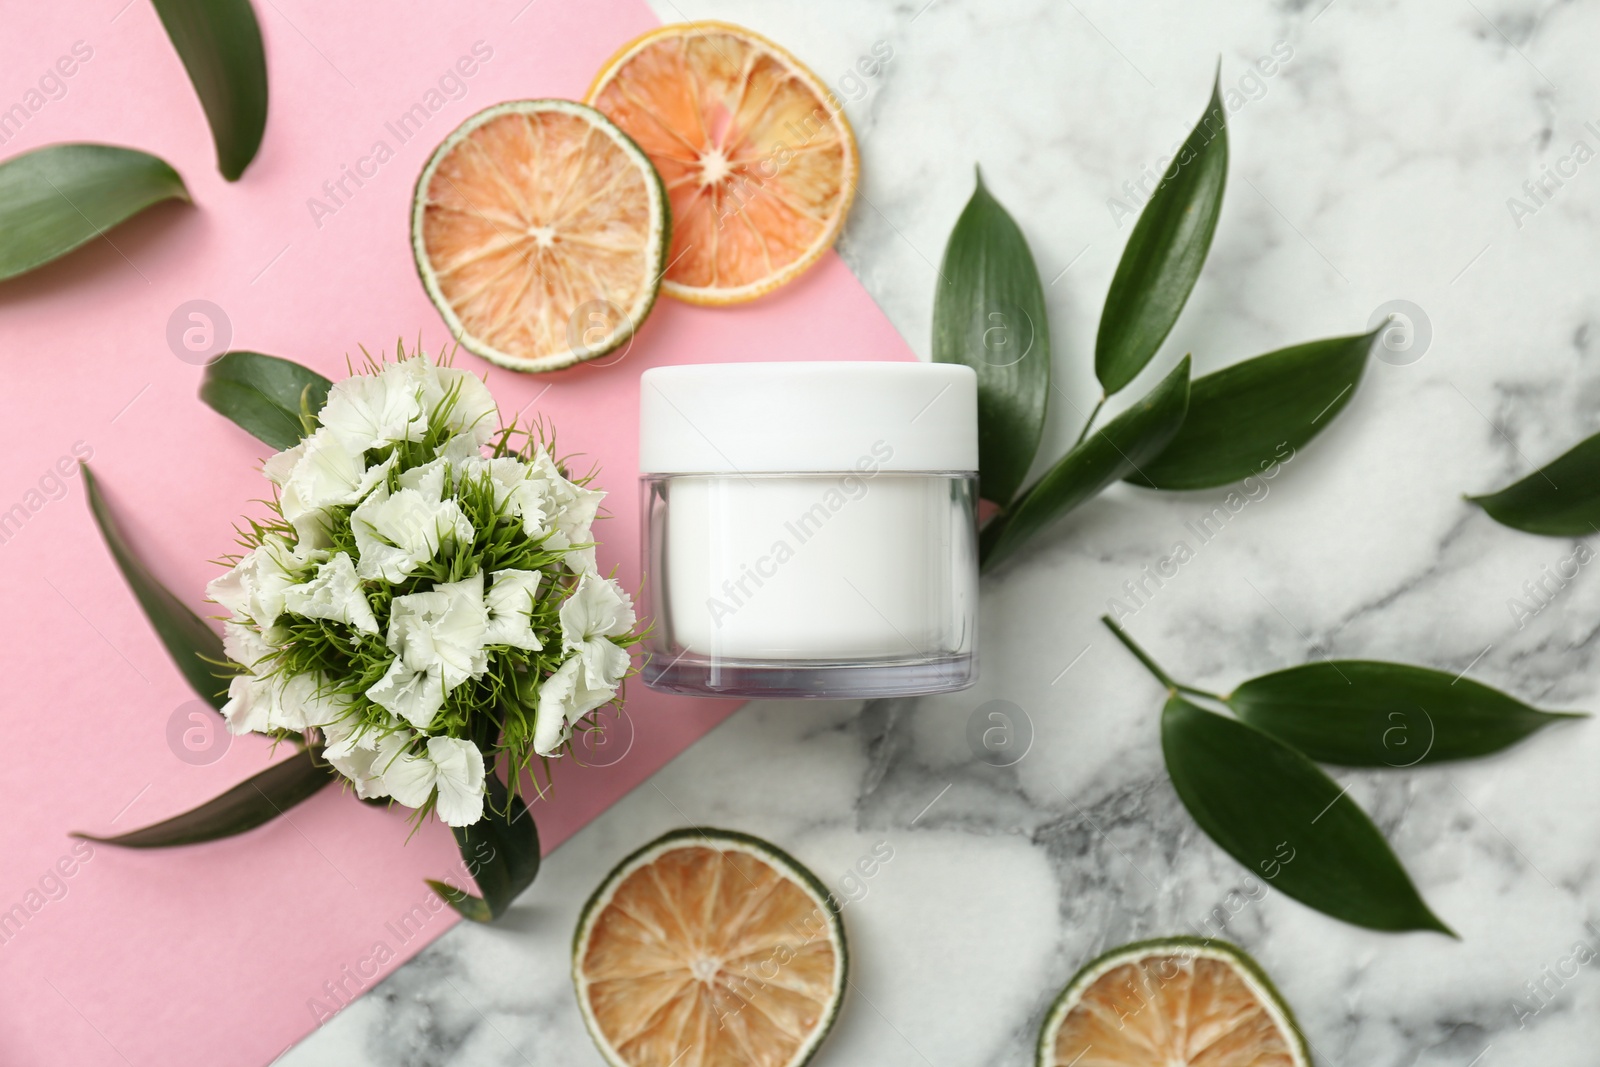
[[509, 602], [460, 779], [604, 664], [330, 472], [597, 608], [280, 465], [556, 696], [369, 410], [233, 589], [415, 696], [334, 594], [407, 776], [249, 704], [244, 644], [464, 404], [564, 698], [442, 631], [396, 532]]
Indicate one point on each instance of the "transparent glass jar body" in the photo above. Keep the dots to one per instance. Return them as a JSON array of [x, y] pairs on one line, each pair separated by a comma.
[[815, 584]]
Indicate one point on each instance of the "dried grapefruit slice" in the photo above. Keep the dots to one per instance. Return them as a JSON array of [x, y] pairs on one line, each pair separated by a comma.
[[708, 947], [1178, 1002], [540, 232], [756, 154]]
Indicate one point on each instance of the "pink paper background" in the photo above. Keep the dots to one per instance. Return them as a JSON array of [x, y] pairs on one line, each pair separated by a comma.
[[210, 955]]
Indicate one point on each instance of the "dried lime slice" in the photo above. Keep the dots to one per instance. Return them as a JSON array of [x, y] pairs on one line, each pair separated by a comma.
[[540, 231], [756, 153], [709, 947], [1176, 1002]]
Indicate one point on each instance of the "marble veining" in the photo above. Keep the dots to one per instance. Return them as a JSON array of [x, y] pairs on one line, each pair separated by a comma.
[[1379, 162]]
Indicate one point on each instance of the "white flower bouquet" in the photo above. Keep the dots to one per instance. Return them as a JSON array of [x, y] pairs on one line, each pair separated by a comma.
[[423, 596], [419, 615]]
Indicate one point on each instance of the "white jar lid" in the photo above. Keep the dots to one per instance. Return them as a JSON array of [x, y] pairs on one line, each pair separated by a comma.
[[717, 418]]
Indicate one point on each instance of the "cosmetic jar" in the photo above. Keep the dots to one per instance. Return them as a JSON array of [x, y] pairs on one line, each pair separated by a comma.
[[810, 529]]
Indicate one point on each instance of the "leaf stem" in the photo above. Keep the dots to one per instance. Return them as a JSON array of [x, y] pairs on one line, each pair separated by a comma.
[[1084, 435], [1140, 654], [1192, 691], [1153, 667]]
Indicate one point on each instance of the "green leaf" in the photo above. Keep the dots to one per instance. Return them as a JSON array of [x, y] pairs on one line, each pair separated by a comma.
[[264, 395], [219, 42], [1118, 449], [500, 851], [252, 803], [188, 639], [989, 313], [55, 198], [1561, 499], [1360, 713], [1252, 416], [1165, 252], [1273, 810]]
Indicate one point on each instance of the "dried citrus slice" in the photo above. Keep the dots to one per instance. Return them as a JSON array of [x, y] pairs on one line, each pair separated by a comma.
[[540, 231], [755, 152], [1178, 1002], [708, 947]]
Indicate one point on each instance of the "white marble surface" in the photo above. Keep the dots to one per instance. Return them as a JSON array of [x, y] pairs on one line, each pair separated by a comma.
[[1375, 165]]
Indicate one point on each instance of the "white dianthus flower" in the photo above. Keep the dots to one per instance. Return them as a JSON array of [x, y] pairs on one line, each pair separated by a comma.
[[371, 410], [509, 602], [262, 703], [244, 644], [334, 594], [253, 588], [597, 610], [566, 511], [452, 765], [463, 402], [397, 532], [564, 698], [353, 752], [438, 640], [393, 492], [327, 472]]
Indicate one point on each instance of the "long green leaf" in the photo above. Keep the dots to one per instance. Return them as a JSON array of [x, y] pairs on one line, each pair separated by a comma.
[[264, 394], [219, 42], [252, 803], [188, 639], [55, 198], [1360, 713], [1118, 449], [1273, 810], [1561, 499], [1165, 252], [500, 851], [989, 313], [1249, 418]]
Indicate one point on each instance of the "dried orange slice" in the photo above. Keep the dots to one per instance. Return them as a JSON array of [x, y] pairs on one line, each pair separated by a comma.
[[540, 232], [708, 947], [756, 154], [1178, 1002]]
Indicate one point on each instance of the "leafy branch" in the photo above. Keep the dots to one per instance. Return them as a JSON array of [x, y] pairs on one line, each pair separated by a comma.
[[1251, 778], [1185, 433], [1252, 783]]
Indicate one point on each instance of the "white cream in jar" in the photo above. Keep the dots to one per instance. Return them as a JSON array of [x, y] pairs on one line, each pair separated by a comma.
[[810, 528]]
